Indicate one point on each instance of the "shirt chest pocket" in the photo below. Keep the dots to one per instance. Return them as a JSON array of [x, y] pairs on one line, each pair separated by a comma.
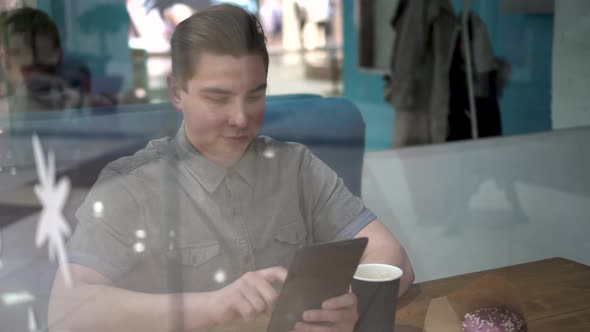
[[286, 240], [198, 254], [291, 234], [199, 263]]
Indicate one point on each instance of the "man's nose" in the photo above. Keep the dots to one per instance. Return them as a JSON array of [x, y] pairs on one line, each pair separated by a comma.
[[238, 116]]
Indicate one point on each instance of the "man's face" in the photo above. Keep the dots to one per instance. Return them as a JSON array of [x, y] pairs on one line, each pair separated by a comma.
[[223, 104], [15, 55]]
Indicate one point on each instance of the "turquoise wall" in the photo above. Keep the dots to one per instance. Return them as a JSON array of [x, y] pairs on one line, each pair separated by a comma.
[[526, 41], [364, 88], [96, 33]]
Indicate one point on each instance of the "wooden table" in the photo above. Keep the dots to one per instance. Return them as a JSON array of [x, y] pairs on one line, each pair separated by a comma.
[[555, 292]]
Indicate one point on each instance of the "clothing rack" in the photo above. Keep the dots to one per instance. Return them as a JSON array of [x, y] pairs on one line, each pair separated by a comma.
[[469, 70]]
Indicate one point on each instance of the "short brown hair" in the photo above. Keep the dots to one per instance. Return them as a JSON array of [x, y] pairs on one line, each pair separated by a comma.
[[223, 29]]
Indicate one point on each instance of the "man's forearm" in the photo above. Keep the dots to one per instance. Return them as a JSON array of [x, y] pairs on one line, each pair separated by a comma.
[[384, 248], [104, 308], [408, 277]]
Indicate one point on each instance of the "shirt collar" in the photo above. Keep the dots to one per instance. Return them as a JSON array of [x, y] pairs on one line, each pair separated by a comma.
[[208, 173], [246, 167]]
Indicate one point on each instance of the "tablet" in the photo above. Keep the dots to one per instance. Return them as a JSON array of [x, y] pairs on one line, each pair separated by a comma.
[[317, 272]]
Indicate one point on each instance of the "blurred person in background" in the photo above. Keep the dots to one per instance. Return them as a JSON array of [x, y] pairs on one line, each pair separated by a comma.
[[31, 55], [153, 21], [271, 18]]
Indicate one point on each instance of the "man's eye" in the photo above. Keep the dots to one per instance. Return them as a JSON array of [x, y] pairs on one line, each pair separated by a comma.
[[218, 100], [254, 98]]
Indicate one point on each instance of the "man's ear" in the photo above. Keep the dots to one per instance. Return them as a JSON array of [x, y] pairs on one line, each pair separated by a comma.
[[174, 92]]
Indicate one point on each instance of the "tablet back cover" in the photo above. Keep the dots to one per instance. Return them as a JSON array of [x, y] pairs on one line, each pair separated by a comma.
[[317, 273]]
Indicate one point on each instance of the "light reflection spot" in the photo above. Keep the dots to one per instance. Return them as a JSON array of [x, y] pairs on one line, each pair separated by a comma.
[[98, 208], [139, 247], [269, 153], [140, 93], [140, 233], [220, 276]]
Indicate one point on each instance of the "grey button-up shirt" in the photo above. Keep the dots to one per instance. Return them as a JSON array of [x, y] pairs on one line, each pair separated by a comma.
[[168, 217]]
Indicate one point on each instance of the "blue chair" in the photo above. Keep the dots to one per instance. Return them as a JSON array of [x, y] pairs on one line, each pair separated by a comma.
[[332, 128]]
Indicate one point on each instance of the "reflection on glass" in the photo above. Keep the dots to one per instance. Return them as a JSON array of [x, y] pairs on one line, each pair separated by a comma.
[[90, 78], [32, 52]]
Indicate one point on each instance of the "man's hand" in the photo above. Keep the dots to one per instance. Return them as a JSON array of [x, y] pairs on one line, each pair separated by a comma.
[[249, 296], [337, 314]]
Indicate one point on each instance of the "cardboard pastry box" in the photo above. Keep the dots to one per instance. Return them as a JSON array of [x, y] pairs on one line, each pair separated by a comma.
[[446, 313]]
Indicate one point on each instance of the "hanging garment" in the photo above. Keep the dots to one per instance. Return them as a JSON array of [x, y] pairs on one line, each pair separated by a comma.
[[418, 84], [485, 85]]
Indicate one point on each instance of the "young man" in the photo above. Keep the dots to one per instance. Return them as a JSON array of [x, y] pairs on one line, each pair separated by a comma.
[[214, 213]]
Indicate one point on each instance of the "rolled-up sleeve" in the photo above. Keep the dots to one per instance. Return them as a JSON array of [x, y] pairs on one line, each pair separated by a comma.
[[336, 214]]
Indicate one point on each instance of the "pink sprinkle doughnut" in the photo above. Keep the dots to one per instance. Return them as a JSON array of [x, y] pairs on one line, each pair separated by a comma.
[[493, 320]]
